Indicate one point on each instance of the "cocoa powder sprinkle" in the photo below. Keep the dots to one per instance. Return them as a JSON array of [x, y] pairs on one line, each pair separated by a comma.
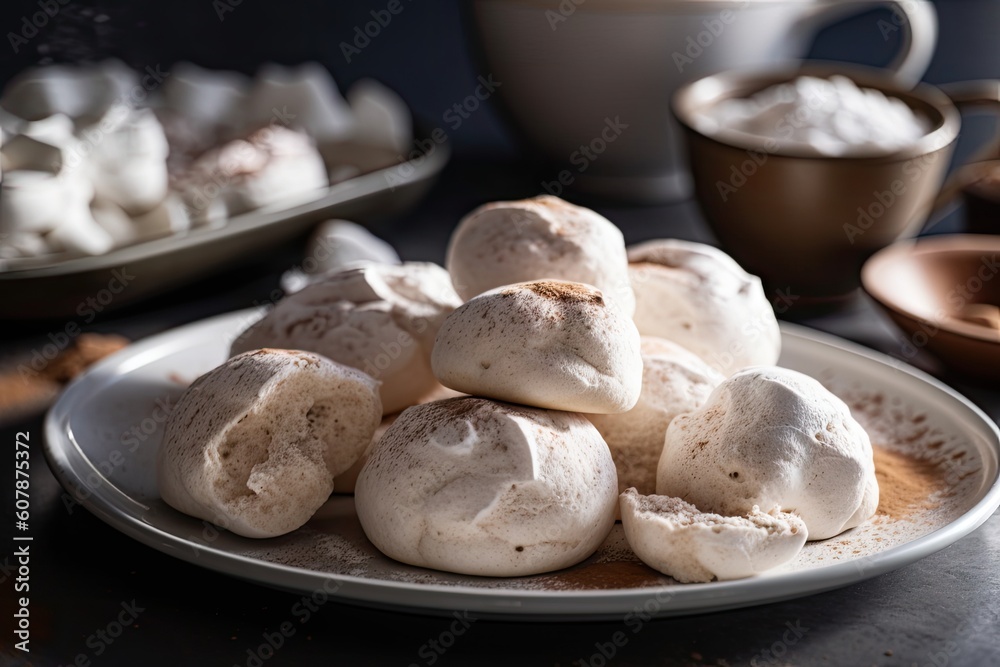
[[906, 484]]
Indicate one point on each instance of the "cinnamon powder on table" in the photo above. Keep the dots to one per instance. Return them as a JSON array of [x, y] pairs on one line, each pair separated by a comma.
[[905, 483], [28, 389]]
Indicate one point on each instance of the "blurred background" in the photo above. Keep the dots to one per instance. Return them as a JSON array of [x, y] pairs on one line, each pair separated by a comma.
[[423, 54]]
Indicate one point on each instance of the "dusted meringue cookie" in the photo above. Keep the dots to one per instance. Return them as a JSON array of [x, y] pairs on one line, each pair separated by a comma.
[[550, 343], [698, 296], [254, 444], [673, 537], [541, 238], [379, 318], [347, 480], [674, 381], [773, 437], [477, 487], [270, 165]]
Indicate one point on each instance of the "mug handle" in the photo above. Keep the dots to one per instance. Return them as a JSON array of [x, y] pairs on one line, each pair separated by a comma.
[[965, 95], [918, 22]]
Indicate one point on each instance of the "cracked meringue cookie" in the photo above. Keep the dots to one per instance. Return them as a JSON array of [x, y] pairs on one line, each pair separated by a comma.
[[540, 238], [379, 318], [550, 344], [674, 381], [673, 537], [473, 486], [773, 437], [254, 444], [699, 297]]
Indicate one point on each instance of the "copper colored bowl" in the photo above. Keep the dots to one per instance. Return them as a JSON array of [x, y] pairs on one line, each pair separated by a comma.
[[944, 293], [802, 221]]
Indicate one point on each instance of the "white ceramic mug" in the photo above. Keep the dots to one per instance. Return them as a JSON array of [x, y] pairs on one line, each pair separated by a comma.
[[589, 82]]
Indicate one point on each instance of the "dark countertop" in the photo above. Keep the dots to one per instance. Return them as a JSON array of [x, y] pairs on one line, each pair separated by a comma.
[[86, 576]]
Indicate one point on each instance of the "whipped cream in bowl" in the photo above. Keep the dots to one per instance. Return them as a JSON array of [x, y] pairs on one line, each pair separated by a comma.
[[834, 116], [819, 112]]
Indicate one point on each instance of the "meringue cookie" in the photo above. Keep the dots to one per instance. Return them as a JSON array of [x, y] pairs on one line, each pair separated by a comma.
[[379, 318], [115, 221], [334, 246], [381, 117], [168, 217], [304, 96], [254, 444], [31, 201], [477, 487], [273, 164], [773, 437], [674, 381], [541, 238], [22, 244], [550, 344], [83, 93], [699, 297], [128, 160], [673, 537], [206, 98], [347, 480]]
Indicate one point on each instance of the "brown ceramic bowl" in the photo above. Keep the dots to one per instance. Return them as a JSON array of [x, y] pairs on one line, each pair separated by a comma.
[[944, 293], [802, 221]]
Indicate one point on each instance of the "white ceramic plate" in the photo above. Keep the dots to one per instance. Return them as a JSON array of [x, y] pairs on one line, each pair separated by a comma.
[[103, 433], [60, 288]]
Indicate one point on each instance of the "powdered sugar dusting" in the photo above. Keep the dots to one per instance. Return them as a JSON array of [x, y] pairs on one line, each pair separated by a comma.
[[333, 542]]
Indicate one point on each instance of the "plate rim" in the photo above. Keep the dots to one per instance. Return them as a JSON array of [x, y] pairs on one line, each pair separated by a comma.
[[507, 604]]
